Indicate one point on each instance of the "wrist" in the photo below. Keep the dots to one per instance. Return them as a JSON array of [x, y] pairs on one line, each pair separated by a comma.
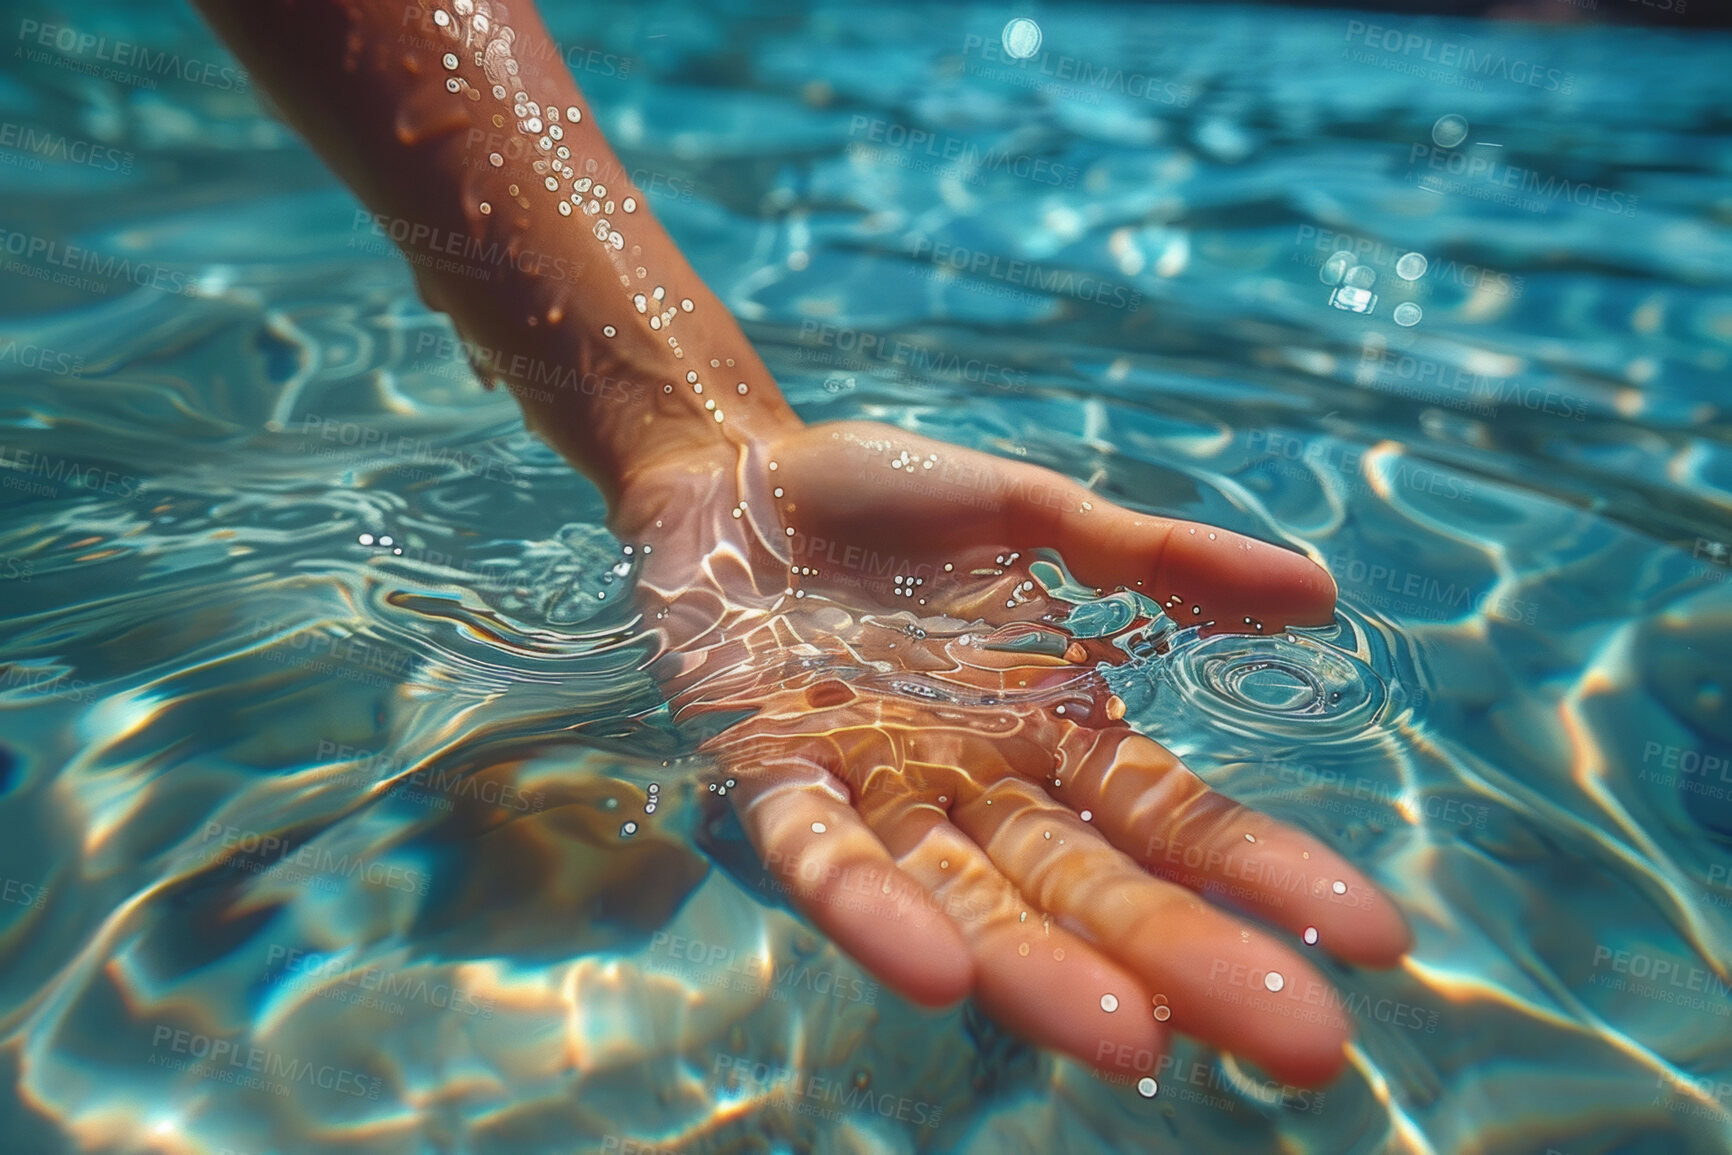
[[681, 473]]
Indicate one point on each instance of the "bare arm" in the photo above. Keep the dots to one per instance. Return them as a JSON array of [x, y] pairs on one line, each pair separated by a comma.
[[458, 125]]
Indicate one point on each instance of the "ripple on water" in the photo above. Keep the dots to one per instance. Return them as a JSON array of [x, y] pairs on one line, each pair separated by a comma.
[[1289, 685]]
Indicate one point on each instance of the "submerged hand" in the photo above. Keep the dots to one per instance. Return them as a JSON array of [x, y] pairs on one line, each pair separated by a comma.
[[967, 818], [921, 793]]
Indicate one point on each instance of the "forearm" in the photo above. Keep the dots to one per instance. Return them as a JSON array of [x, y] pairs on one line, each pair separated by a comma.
[[453, 121]]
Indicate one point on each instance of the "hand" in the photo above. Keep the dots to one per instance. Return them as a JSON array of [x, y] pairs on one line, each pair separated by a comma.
[[941, 780]]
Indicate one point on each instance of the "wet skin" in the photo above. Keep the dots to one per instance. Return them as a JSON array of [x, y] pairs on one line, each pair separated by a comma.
[[964, 820]]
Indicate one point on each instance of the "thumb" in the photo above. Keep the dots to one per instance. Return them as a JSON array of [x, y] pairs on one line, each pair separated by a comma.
[[1198, 573]]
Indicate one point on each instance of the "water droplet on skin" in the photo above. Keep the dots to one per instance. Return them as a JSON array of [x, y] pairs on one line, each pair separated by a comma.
[[818, 828], [453, 85], [609, 331], [1273, 981], [628, 830], [1339, 887], [450, 60], [386, 540], [1250, 838], [496, 161], [686, 304], [1163, 1013], [574, 114], [1109, 1003], [1147, 1087], [742, 388], [1087, 815], [366, 539], [1310, 936], [441, 18], [778, 491]]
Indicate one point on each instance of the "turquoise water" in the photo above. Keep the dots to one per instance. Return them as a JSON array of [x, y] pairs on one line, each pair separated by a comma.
[[264, 545]]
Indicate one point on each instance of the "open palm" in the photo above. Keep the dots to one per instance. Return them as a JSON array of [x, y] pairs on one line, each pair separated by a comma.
[[943, 782]]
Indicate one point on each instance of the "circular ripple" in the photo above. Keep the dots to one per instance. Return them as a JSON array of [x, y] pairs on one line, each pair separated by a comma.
[[1289, 684]]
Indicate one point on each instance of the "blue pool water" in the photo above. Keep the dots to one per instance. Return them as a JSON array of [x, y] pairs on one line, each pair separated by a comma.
[[264, 543]]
